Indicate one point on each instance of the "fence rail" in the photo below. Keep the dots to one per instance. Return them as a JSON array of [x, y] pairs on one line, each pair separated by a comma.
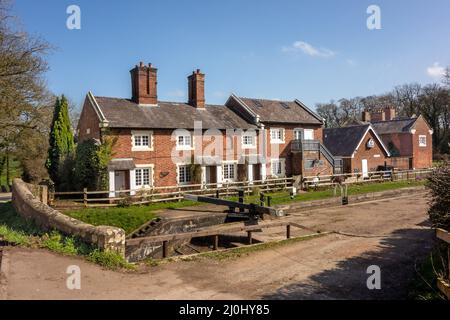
[[87, 198], [170, 193], [351, 178]]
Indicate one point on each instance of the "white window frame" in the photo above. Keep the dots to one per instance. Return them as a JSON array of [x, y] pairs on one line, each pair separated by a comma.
[[422, 144], [235, 169], [141, 168], [140, 134], [282, 163], [279, 139], [247, 145], [187, 169], [296, 131], [308, 134], [185, 146]]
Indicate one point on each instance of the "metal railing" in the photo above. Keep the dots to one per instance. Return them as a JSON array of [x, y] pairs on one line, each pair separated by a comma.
[[316, 145]]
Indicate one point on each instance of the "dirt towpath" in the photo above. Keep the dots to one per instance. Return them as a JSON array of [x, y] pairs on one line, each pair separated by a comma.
[[396, 234]]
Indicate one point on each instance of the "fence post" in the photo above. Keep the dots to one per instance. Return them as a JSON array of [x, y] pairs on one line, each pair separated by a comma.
[[288, 231], [216, 242], [261, 199], [241, 199], [249, 237], [165, 250], [85, 197], [269, 200]]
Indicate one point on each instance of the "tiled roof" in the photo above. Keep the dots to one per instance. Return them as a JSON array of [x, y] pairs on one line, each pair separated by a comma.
[[342, 142], [124, 113], [281, 111], [393, 126]]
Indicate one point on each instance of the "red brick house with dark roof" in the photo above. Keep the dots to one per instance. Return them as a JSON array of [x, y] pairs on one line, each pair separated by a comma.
[[260, 138], [359, 146], [149, 131], [291, 136], [409, 140]]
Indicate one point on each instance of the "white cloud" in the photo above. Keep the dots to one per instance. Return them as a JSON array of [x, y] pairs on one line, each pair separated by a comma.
[[308, 49], [436, 70], [178, 93], [351, 62]]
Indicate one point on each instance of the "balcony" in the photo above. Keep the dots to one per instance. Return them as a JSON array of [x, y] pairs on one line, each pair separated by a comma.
[[316, 145], [305, 145]]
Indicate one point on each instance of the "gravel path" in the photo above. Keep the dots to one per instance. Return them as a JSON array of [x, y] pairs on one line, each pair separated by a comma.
[[396, 234]]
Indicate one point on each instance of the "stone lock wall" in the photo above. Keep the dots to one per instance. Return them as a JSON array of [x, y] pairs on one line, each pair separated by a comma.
[[28, 206]]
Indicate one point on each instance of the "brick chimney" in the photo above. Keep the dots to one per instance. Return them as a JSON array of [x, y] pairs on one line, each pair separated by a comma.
[[366, 116], [390, 113], [378, 115], [144, 84], [196, 89]]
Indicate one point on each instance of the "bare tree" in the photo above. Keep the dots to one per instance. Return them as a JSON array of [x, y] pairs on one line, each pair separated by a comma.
[[407, 97], [24, 98]]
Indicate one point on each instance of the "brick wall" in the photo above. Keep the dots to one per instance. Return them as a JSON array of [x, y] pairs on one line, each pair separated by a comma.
[[284, 149], [368, 153], [422, 156], [88, 125]]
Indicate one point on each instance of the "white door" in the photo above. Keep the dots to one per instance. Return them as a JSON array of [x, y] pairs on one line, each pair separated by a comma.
[[365, 170], [119, 180]]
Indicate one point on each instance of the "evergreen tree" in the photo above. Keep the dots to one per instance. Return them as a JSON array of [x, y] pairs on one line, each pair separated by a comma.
[[62, 143]]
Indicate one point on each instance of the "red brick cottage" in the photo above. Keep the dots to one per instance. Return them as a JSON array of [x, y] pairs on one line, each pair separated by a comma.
[[409, 140], [291, 136], [157, 141], [361, 148]]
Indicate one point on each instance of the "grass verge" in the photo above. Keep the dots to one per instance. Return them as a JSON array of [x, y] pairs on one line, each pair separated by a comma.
[[17, 231]]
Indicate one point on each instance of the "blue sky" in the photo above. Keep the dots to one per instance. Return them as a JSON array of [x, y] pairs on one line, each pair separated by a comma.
[[311, 50]]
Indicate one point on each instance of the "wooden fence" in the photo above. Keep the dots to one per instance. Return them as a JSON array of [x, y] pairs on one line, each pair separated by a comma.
[[162, 194], [444, 284], [87, 198], [351, 178]]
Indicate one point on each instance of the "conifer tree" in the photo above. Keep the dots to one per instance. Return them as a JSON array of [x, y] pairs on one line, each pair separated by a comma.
[[62, 142]]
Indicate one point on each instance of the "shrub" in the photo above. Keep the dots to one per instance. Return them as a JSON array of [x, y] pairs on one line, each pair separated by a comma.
[[109, 259], [439, 185]]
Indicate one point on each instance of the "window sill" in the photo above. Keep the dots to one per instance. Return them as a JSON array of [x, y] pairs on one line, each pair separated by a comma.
[[141, 149]]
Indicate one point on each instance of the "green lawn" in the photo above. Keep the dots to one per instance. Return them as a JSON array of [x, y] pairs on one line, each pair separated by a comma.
[[127, 218], [131, 218], [284, 197]]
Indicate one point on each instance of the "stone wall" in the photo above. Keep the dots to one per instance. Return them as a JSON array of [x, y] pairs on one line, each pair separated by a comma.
[[29, 207]]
